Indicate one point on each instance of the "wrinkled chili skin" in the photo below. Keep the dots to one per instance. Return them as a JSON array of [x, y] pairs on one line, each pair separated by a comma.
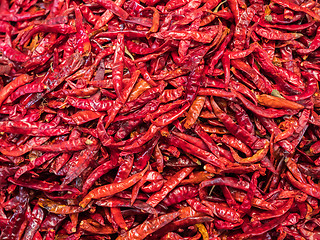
[[177, 119]]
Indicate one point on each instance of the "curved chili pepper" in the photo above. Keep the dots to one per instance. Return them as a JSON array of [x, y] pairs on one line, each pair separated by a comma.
[[238, 131], [223, 212], [180, 194], [258, 156], [185, 222], [268, 113], [310, 89], [275, 213], [293, 168], [12, 86], [108, 190], [198, 152], [304, 187], [148, 227], [276, 102], [298, 8], [169, 186], [227, 181]]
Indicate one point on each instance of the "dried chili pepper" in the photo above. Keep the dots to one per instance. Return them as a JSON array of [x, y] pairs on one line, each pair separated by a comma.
[[224, 116]]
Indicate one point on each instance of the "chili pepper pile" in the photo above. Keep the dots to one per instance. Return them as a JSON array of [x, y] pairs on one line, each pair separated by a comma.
[[174, 119]]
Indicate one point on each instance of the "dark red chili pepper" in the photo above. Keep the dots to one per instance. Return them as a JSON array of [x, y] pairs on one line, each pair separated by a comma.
[[181, 223], [42, 185], [79, 164], [304, 187], [97, 173], [118, 202], [12, 229]]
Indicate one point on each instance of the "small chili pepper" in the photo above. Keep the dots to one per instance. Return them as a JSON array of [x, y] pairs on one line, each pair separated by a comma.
[[180, 194], [275, 213], [268, 113], [16, 221], [194, 111], [262, 229], [309, 91], [198, 206], [80, 163], [273, 34], [247, 201], [237, 144], [207, 140], [304, 187], [72, 145]]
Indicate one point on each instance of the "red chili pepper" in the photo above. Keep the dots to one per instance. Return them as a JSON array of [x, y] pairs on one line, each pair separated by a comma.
[[238, 131], [149, 227], [304, 187], [268, 113], [168, 186], [108, 190], [181, 223], [119, 202], [198, 152], [97, 173], [223, 212]]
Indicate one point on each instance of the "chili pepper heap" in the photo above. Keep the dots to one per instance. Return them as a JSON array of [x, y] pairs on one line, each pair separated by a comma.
[[174, 119]]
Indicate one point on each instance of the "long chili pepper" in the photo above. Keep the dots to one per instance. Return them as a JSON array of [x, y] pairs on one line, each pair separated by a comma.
[[258, 156], [185, 222], [168, 186], [149, 227], [276, 102], [108, 190], [238, 131]]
